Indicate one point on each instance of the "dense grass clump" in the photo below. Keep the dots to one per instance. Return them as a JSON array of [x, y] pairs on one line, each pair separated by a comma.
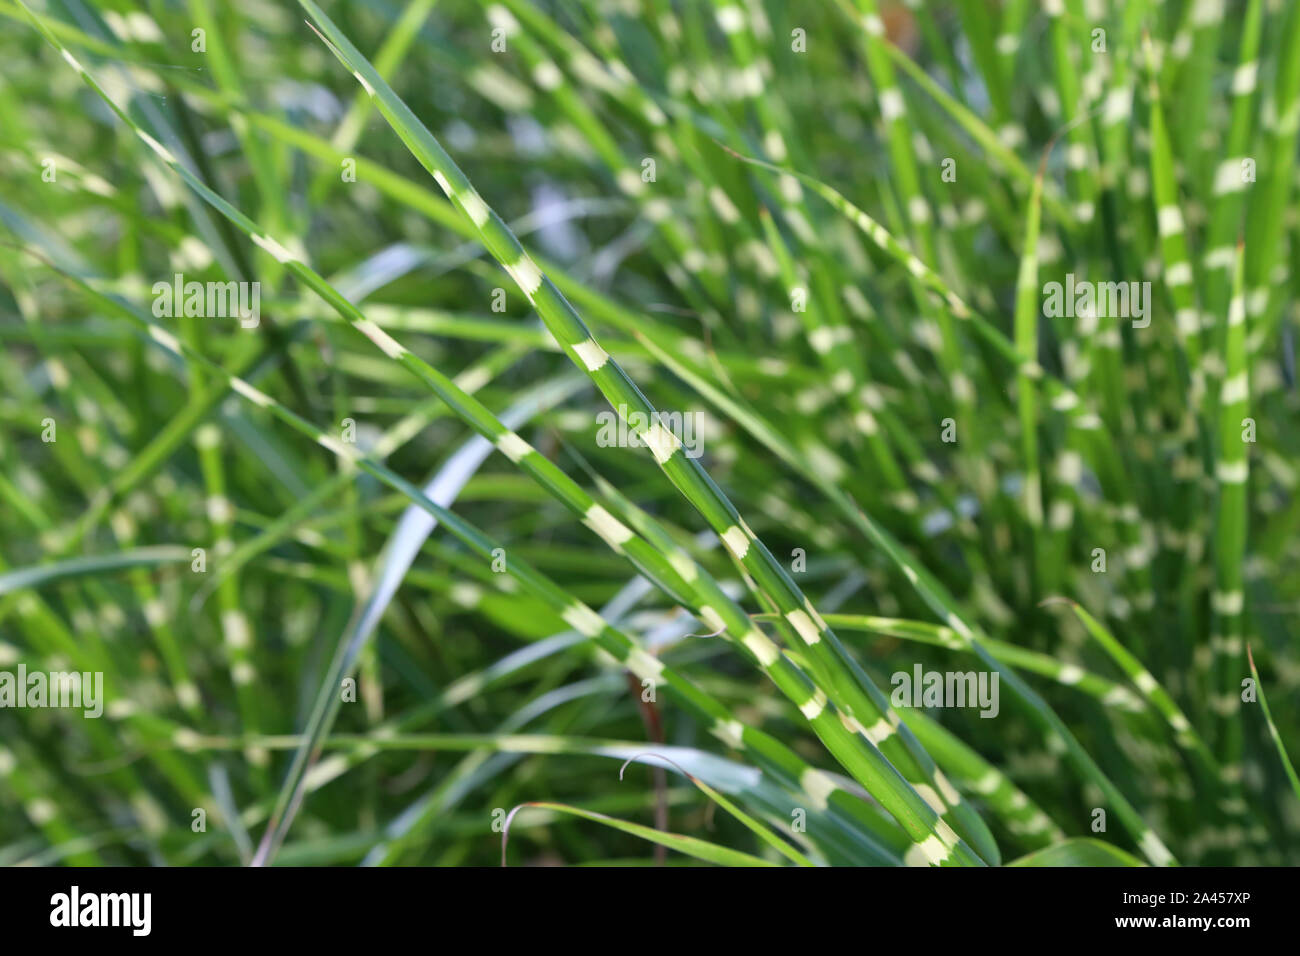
[[876, 423]]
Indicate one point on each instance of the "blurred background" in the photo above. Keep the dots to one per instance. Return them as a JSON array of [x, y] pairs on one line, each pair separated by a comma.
[[248, 595]]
